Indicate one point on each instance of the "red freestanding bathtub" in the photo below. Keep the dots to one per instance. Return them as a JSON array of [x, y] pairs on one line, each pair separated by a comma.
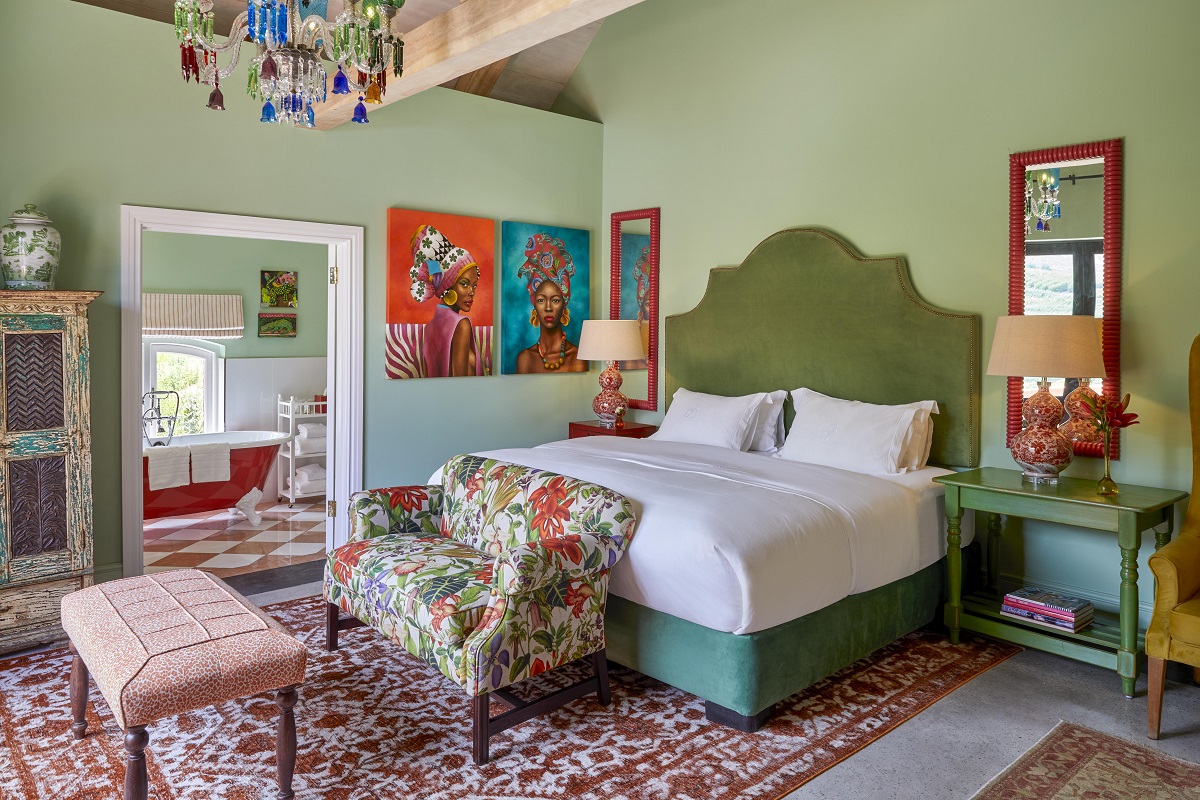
[[251, 454]]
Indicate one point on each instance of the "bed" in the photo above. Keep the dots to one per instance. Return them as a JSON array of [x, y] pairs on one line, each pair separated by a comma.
[[744, 623]]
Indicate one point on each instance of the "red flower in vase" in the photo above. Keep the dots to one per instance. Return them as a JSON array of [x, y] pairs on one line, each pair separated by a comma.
[[1108, 414]]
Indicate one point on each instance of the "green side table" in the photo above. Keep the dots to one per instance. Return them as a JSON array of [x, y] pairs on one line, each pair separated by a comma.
[[1110, 641]]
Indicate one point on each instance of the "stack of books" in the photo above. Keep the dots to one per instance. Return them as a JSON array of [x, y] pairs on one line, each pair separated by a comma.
[[1048, 609]]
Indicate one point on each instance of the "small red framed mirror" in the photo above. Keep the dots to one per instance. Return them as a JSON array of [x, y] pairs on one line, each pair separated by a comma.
[[633, 282]]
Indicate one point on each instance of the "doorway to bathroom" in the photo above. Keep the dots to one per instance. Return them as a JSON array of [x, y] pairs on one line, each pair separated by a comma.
[[241, 393]]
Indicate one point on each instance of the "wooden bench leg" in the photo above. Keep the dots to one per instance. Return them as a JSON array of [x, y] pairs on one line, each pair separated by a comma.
[[79, 695], [601, 664], [1155, 669], [285, 741], [136, 740], [479, 716]]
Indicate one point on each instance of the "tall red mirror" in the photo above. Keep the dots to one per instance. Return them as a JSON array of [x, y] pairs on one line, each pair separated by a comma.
[[1064, 257], [633, 282]]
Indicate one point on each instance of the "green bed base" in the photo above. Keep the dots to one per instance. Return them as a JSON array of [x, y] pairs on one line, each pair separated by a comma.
[[749, 673]]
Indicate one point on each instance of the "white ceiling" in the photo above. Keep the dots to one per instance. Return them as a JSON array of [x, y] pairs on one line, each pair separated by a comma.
[[532, 78]]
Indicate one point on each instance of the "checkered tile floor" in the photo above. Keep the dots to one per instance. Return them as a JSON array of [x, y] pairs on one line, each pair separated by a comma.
[[225, 543]]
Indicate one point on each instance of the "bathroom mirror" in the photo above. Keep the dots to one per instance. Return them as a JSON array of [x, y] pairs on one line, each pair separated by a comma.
[[633, 294], [1064, 227]]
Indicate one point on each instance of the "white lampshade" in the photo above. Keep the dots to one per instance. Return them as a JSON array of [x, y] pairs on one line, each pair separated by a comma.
[[611, 340], [1046, 346]]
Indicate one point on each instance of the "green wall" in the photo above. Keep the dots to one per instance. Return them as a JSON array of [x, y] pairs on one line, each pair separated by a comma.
[[81, 140], [180, 263], [892, 123]]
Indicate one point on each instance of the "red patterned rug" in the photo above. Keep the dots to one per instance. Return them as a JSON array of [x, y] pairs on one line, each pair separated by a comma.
[[1077, 763], [374, 722]]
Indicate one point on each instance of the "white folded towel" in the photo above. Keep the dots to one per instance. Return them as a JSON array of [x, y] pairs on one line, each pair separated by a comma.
[[311, 472], [308, 487], [311, 430], [310, 447], [210, 462], [167, 467]]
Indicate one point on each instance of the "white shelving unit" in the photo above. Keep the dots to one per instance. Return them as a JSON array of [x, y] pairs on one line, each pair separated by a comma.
[[292, 412]]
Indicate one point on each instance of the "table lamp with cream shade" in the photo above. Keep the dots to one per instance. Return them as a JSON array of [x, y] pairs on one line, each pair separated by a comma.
[[1044, 346], [611, 340]]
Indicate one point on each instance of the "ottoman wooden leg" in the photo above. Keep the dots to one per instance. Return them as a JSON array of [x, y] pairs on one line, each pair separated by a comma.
[[285, 741], [79, 695], [136, 740]]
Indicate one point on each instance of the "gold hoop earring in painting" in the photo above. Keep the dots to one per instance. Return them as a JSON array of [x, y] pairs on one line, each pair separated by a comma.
[[566, 317], [450, 297], [533, 318]]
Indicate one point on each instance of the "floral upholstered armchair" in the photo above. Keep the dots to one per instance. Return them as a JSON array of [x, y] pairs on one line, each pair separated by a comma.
[[496, 575]]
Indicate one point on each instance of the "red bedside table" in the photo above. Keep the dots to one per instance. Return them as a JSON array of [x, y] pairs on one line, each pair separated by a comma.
[[592, 427]]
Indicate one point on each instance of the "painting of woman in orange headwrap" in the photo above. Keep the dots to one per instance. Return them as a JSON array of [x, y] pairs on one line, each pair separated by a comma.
[[545, 297], [439, 295]]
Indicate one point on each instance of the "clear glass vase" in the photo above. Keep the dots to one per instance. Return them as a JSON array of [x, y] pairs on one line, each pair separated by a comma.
[[1107, 486]]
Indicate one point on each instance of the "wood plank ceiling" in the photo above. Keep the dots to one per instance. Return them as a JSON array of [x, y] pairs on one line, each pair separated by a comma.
[[533, 77]]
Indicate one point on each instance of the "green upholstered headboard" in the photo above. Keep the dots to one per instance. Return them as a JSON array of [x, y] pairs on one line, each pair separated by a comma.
[[806, 309]]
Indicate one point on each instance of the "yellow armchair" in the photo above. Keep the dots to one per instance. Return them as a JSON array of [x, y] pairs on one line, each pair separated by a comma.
[[1174, 633]]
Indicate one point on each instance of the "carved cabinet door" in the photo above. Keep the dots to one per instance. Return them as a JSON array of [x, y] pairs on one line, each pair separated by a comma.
[[39, 448]]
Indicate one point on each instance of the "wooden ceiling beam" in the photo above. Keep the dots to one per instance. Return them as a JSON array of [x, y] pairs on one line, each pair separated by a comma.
[[481, 81], [472, 36]]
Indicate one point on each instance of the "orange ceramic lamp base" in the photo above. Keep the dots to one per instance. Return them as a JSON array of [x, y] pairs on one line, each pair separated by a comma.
[[610, 405]]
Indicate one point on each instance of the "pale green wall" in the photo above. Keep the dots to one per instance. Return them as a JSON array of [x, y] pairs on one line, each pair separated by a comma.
[[180, 263], [864, 117], [106, 120]]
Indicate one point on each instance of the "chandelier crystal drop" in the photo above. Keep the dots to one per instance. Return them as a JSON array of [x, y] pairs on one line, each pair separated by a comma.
[[287, 73]]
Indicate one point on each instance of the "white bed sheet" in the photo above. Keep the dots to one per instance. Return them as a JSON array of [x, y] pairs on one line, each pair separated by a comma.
[[741, 542]]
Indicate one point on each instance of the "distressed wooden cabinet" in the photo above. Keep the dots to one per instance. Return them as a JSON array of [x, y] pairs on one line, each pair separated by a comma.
[[45, 461]]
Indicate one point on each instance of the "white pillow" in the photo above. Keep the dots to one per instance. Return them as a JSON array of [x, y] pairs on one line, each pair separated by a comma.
[[848, 434], [917, 444], [697, 418], [767, 434]]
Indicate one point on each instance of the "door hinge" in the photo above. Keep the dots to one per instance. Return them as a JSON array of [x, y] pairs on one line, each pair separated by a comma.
[[333, 275], [331, 508]]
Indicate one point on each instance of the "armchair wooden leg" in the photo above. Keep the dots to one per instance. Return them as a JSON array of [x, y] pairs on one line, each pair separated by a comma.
[[601, 664], [1196, 675], [79, 695], [479, 716], [331, 626], [1155, 669]]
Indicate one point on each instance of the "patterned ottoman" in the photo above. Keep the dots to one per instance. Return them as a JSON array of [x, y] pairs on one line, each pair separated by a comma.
[[163, 644]]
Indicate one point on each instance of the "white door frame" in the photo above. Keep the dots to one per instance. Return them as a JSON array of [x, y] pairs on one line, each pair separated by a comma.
[[344, 351]]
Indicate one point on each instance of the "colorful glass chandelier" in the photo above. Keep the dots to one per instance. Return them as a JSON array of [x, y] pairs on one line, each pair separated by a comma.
[[287, 72], [1041, 199]]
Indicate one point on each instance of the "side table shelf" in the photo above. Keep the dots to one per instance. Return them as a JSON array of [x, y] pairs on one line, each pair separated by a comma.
[[1112, 640]]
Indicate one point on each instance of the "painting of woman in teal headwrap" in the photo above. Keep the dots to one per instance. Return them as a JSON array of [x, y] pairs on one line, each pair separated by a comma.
[[635, 288], [545, 297]]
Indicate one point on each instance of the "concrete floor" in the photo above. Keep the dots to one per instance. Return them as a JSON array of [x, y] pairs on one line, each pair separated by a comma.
[[951, 749], [965, 739]]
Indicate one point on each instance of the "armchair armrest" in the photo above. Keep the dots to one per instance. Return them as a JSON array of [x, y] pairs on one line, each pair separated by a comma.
[[399, 509], [528, 567], [1176, 568]]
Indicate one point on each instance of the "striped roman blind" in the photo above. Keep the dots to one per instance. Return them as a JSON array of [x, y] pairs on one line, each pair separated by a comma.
[[198, 316]]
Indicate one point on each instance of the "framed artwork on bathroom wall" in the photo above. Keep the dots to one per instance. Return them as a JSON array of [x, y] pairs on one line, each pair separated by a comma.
[[277, 325], [545, 275], [278, 289], [440, 274]]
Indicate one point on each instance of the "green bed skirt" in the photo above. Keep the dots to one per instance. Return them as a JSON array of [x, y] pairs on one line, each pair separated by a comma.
[[751, 672]]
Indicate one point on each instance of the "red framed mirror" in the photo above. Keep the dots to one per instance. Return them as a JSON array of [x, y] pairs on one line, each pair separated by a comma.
[[633, 294], [1055, 249]]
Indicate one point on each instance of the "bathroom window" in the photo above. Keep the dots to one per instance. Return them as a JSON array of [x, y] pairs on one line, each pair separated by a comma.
[[195, 369]]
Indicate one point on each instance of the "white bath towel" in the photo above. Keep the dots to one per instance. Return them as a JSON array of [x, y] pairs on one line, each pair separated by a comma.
[[311, 430], [308, 487], [310, 447], [210, 462], [311, 472], [167, 467]]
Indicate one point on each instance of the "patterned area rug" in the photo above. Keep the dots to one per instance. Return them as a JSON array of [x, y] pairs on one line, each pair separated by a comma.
[[374, 722], [1073, 763]]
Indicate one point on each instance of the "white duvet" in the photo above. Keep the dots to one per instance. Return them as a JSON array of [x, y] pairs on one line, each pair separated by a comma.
[[741, 542]]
